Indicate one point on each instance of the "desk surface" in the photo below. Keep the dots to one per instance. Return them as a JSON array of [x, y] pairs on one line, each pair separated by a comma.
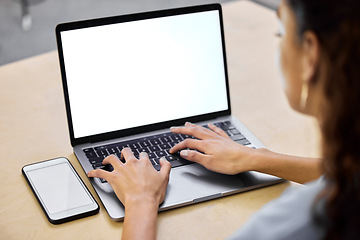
[[33, 127]]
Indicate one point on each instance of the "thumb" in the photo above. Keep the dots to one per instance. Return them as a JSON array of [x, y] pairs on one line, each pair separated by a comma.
[[165, 167]]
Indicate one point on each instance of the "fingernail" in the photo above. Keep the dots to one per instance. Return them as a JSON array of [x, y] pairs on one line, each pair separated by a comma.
[[184, 153], [163, 159], [143, 153]]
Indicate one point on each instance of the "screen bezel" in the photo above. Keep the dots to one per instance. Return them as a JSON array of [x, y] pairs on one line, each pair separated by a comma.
[[128, 18], [67, 215]]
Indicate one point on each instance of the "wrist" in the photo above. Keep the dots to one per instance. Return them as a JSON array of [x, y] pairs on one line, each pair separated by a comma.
[[145, 209], [140, 218], [141, 200], [258, 158]]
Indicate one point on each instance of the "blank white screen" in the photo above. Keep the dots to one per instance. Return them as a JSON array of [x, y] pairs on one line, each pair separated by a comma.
[[58, 188], [149, 71]]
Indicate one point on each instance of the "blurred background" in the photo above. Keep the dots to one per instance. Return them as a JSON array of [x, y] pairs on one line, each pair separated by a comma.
[[27, 27]]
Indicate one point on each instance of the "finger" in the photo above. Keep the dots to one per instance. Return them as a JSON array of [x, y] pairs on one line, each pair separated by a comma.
[[218, 130], [143, 156], [193, 130], [113, 160], [193, 156], [189, 143], [189, 124], [127, 153], [99, 173], [165, 167], [201, 128]]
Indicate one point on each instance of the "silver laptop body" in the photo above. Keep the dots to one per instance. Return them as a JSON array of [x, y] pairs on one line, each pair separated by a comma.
[[134, 76]]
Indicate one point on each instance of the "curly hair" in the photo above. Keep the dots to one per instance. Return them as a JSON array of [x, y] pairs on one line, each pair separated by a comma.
[[337, 27]]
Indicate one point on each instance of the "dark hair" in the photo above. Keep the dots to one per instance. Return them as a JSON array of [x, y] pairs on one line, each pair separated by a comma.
[[337, 27]]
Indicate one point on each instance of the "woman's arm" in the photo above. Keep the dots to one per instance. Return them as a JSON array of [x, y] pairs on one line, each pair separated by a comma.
[[217, 152], [140, 219], [140, 188], [292, 168]]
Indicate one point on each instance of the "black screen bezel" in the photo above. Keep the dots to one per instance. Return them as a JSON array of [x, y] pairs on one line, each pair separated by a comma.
[[128, 18]]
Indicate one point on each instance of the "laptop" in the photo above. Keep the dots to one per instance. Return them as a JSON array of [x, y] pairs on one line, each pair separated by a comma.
[[128, 79]]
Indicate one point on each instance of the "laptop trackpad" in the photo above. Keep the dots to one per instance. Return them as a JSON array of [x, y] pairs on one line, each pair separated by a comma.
[[194, 183]]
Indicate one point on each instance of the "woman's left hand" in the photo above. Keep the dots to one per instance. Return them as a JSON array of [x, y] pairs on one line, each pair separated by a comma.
[[216, 150]]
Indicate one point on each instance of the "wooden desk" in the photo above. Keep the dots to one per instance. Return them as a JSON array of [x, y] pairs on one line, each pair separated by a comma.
[[33, 127]]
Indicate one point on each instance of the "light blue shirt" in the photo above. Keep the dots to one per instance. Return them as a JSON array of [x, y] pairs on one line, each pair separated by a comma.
[[288, 217]]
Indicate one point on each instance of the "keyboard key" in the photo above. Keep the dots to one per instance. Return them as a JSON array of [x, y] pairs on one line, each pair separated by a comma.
[[161, 153], [171, 158], [218, 124], [176, 137], [237, 137], [145, 144], [103, 156], [90, 154], [165, 146], [99, 148], [180, 162], [143, 150], [102, 151], [165, 139], [152, 155], [154, 142], [154, 148], [113, 150], [234, 131], [156, 161], [88, 150], [173, 144], [134, 145], [226, 125], [96, 160], [243, 141], [122, 146]]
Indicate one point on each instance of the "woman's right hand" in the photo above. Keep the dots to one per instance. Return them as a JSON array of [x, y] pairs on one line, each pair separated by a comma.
[[216, 150]]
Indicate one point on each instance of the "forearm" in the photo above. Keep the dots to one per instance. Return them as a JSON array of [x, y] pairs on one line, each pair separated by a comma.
[[140, 220], [297, 169]]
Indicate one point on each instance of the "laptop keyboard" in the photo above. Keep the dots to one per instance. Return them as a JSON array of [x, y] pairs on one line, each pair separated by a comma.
[[156, 146]]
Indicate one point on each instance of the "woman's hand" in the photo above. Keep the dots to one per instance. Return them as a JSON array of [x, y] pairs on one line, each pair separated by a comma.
[[218, 152], [140, 188], [221, 154], [135, 179]]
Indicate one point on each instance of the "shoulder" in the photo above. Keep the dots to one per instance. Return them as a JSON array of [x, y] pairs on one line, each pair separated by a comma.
[[288, 217]]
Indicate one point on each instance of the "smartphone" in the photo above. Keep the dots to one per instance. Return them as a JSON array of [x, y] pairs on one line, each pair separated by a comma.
[[61, 193]]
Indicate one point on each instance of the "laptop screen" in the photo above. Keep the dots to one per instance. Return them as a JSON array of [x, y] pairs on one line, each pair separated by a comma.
[[130, 74]]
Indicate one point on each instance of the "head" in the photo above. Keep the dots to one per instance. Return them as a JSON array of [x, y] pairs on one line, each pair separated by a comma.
[[320, 62], [299, 61]]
